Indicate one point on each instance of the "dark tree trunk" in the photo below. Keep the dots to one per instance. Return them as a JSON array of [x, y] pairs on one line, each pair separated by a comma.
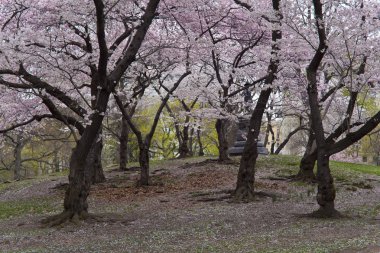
[[246, 175], [123, 147], [80, 177], [144, 165], [184, 150], [306, 171], [201, 151], [273, 140], [191, 142], [75, 202], [18, 159], [94, 162], [223, 145], [326, 189]]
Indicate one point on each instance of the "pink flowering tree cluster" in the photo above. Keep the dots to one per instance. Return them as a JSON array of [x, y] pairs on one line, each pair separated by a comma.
[[71, 56], [75, 62]]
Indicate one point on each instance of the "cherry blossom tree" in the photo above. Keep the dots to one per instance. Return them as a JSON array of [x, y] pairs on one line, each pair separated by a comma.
[[246, 176], [69, 48]]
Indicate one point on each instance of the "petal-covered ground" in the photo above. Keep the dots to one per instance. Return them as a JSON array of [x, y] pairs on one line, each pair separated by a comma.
[[188, 209]]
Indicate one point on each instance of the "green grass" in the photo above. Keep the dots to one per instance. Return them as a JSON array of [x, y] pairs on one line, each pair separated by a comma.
[[14, 208], [5, 175], [289, 165], [363, 168]]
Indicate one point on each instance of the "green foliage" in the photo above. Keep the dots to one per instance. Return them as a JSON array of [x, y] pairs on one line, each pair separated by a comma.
[[164, 143]]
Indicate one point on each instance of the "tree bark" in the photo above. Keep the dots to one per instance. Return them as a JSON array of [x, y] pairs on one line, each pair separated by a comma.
[[94, 161], [306, 171], [144, 165], [273, 139], [75, 202], [18, 159], [326, 189], [123, 147], [246, 175], [184, 150], [201, 150], [80, 177], [223, 145]]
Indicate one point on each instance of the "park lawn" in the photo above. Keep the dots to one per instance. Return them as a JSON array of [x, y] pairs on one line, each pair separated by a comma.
[[291, 163], [187, 212]]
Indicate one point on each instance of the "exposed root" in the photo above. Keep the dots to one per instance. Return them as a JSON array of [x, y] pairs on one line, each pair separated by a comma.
[[139, 183], [325, 213], [69, 217], [244, 194], [309, 179], [58, 219]]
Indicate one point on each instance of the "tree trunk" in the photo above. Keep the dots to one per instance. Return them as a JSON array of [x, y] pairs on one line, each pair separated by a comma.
[[306, 171], [326, 189], [201, 151], [144, 165], [246, 177], [17, 155], [222, 131], [80, 177], [94, 162], [191, 142], [123, 148], [273, 140], [184, 150]]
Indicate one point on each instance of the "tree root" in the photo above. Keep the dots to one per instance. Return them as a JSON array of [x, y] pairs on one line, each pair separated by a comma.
[[309, 179], [58, 219], [325, 213], [68, 217], [72, 218], [244, 194]]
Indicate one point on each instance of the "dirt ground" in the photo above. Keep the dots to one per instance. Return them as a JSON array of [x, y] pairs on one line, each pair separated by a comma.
[[188, 209]]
